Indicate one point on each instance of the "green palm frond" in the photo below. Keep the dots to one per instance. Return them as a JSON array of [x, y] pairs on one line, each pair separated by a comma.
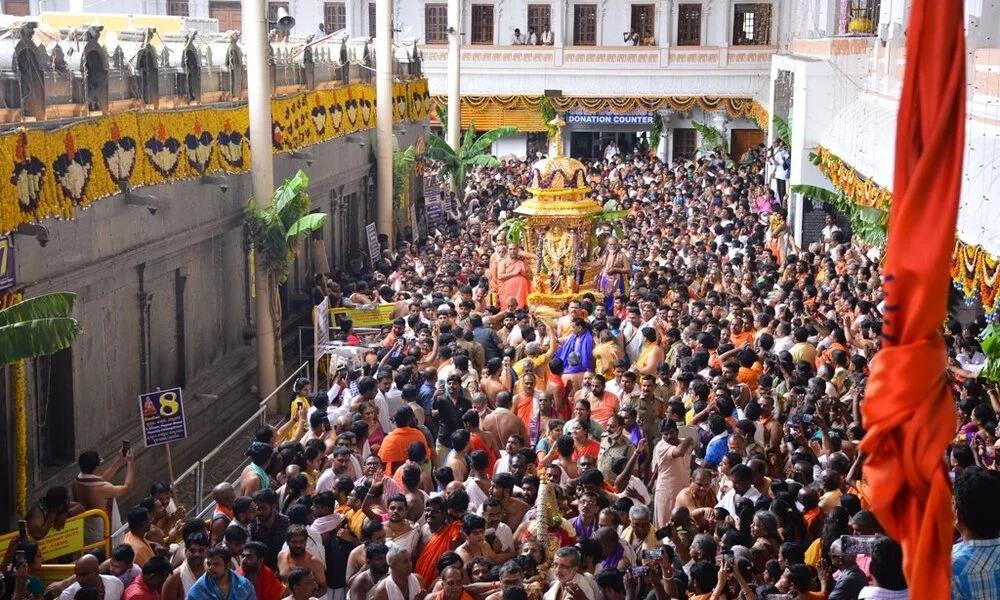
[[783, 130], [306, 225], [442, 116], [713, 140], [47, 306], [868, 224], [484, 142], [513, 229], [473, 152], [36, 337], [274, 229]]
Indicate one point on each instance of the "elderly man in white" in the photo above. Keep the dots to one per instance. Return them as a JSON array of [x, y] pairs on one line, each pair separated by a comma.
[[87, 571], [571, 584]]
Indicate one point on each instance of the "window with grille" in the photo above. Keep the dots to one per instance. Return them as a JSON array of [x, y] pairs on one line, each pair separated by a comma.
[[539, 17], [177, 8], [272, 12], [689, 25], [685, 143], [436, 23], [334, 16], [862, 16], [752, 24], [538, 143], [371, 20], [585, 25], [643, 16], [482, 24]]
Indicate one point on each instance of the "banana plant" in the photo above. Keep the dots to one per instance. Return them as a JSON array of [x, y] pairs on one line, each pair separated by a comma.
[[513, 230], [473, 152], [989, 341], [712, 139]]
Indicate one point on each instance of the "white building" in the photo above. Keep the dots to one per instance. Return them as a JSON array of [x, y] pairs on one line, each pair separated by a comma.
[[705, 60], [840, 93]]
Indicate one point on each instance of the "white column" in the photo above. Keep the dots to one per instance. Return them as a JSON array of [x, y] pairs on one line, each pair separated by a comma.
[[261, 174], [454, 74], [559, 21], [383, 117]]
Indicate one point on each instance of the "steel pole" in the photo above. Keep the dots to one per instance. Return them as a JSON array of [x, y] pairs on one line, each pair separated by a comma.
[[383, 117], [454, 74], [261, 173]]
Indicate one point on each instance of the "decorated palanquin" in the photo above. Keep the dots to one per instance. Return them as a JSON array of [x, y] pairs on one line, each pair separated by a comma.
[[558, 227]]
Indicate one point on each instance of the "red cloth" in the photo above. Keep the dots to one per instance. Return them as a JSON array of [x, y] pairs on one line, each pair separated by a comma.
[[477, 443], [908, 409], [267, 586], [440, 542]]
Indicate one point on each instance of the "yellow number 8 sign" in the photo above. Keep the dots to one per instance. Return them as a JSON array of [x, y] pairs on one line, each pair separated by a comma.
[[162, 414]]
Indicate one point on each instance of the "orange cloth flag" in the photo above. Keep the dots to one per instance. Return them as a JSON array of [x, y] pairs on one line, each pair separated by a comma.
[[909, 412], [440, 542]]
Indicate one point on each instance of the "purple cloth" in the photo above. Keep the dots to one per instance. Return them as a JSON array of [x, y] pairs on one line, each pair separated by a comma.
[[582, 345]]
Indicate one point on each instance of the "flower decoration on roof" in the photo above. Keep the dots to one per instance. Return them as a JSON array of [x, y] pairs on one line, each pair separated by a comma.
[[73, 168], [163, 151], [119, 154], [27, 174]]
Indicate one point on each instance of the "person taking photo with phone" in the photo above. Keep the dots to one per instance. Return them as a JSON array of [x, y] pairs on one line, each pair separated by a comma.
[[95, 491]]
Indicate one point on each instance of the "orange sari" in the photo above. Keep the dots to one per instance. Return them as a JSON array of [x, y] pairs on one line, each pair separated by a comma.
[[441, 542]]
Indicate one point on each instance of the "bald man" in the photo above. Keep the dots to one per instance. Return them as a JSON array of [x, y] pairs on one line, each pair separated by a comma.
[[87, 572], [224, 495]]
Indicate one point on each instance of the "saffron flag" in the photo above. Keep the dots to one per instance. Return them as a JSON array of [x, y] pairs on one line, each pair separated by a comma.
[[909, 411]]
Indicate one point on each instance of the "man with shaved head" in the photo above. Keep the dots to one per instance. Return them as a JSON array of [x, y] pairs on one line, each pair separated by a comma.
[[87, 571], [224, 495]]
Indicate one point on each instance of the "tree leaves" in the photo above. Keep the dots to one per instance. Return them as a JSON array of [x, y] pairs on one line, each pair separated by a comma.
[[712, 140], [868, 224]]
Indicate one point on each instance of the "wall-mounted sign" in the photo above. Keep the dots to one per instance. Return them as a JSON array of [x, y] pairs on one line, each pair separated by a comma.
[[608, 119]]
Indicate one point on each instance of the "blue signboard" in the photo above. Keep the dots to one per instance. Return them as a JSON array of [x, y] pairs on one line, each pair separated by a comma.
[[609, 119], [162, 415]]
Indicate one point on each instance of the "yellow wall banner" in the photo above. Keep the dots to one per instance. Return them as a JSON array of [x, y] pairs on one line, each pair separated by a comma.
[[65, 541]]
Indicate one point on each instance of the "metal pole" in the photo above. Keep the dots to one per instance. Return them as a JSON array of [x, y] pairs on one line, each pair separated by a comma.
[[199, 485], [383, 117], [454, 74], [262, 172]]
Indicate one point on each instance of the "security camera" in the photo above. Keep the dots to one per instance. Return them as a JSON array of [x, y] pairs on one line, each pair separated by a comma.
[[361, 143], [224, 186], [152, 210]]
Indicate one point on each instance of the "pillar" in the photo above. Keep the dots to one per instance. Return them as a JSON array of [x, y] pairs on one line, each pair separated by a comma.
[[383, 118]]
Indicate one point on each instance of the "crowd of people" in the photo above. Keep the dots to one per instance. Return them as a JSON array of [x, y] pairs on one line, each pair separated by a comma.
[[690, 429]]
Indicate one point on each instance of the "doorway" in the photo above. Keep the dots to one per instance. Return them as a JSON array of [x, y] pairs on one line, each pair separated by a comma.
[[743, 140]]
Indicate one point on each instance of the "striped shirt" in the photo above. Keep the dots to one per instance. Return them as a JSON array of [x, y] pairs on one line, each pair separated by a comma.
[[975, 570]]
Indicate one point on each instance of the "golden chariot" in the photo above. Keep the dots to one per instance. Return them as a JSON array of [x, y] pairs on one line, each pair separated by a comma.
[[558, 228]]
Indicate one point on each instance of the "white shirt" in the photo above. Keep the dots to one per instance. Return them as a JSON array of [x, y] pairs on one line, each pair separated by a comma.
[[518, 40], [731, 499], [872, 592], [634, 483], [113, 589], [532, 39], [548, 38]]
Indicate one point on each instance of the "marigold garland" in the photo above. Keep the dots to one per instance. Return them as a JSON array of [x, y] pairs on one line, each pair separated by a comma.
[[735, 107], [974, 271], [19, 387], [55, 173]]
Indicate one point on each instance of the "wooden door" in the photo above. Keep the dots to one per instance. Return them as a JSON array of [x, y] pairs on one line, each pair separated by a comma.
[[229, 15], [743, 140], [16, 8]]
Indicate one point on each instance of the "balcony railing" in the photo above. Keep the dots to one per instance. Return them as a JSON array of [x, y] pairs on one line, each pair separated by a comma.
[[529, 58]]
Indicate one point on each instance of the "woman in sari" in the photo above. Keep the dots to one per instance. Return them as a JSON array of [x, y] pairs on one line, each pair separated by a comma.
[[612, 272], [512, 275]]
